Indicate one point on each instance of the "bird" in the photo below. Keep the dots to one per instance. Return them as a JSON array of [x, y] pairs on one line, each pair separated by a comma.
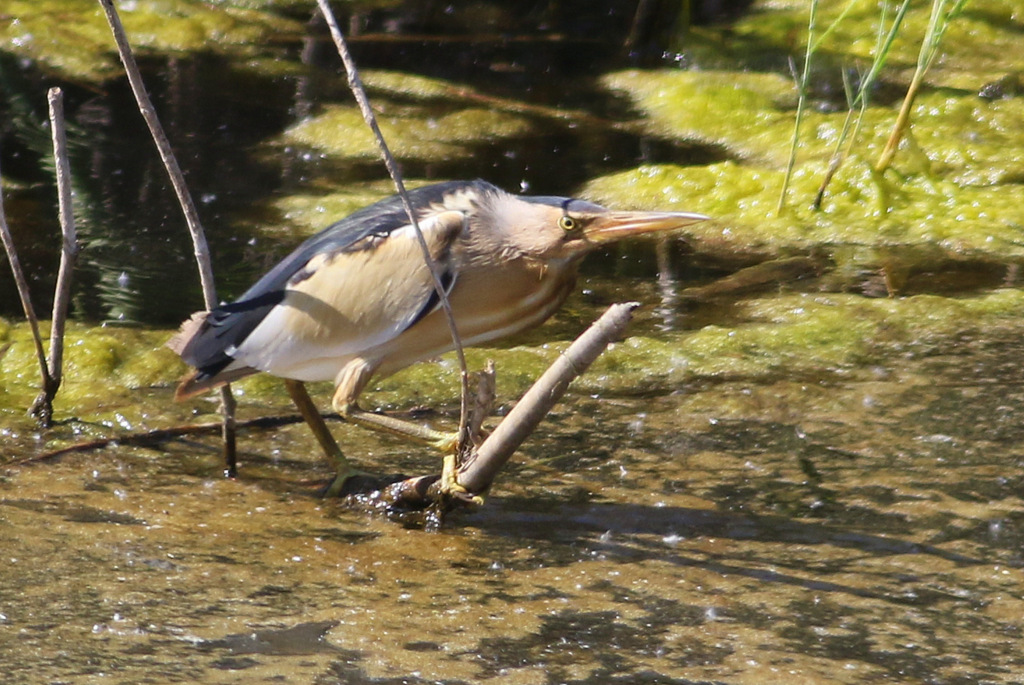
[[358, 300]]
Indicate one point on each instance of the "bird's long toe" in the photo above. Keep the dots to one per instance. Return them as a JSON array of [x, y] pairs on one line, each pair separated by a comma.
[[452, 488], [349, 481]]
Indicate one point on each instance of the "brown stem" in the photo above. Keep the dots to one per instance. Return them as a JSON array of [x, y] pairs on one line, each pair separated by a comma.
[[23, 293], [163, 146], [43, 406], [902, 122], [69, 245], [188, 207]]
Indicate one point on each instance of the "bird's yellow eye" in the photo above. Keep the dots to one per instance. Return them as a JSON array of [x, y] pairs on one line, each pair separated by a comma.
[[567, 223]]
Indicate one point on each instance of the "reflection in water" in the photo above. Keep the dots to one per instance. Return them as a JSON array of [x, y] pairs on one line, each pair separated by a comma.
[[667, 288]]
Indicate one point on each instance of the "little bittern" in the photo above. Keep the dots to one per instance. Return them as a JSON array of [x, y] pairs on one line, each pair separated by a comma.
[[357, 300]]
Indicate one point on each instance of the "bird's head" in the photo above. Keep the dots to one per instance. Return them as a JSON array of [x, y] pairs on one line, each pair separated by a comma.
[[559, 228]]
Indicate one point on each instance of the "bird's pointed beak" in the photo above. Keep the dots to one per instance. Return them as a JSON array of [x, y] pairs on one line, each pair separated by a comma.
[[615, 225]]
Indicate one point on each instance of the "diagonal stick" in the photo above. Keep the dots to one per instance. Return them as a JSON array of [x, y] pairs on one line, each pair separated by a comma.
[[23, 291], [188, 207]]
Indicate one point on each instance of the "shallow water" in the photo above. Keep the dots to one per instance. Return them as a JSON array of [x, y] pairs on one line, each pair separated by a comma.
[[745, 532], [805, 473]]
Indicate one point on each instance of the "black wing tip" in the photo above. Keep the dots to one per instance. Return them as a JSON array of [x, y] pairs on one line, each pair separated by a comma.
[[203, 339], [201, 381]]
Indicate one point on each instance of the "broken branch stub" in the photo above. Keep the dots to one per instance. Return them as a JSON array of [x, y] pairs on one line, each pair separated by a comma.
[[479, 470]]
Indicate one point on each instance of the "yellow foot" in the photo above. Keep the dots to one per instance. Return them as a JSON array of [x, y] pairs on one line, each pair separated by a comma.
[[450, 485], [346, 476], [447, 444]]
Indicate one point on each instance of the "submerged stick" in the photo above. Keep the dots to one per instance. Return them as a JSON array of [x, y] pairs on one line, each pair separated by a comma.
[[356, 86], [479, 471], [188, 207], [156, 436]]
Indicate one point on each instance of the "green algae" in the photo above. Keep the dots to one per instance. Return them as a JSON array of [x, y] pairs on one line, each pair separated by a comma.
[[833, 336], [437, 383], [814, 335], [394, 83], [957, 182], [72, 36], [982, 42], [303, 213], [99, 364], [965, 139], [801, 335], [970, 141], [412, 133], [972, 220], [744, 113]]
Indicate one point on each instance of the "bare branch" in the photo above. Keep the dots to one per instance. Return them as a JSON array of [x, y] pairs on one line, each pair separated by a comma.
[[188, 207], [163, 146], [69, 245], [478, 472], [157, 436], [23, 291], [42, 407]]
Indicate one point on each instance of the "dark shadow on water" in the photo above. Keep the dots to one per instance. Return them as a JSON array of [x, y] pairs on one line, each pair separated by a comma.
[[624, 532]]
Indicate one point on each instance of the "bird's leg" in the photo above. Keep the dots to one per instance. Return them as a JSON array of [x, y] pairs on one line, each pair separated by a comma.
[[351, 381], [309, 412], [440, 440], [450, 485], [446, 443], [481, 408]]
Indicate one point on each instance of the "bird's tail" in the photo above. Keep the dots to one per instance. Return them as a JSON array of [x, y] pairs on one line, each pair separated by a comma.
[[183, 343], [190, 328]]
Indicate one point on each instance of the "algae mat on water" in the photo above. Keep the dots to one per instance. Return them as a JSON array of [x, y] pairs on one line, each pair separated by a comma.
[[72, 37], [968, 199], [956, 184], [120, 380]]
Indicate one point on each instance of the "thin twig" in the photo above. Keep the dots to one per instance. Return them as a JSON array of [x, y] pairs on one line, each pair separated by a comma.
[[157, 435], [356, 85], [43, 406], [188, 207], [23, 291], [163, 146], [478, 472], [69, 245]]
